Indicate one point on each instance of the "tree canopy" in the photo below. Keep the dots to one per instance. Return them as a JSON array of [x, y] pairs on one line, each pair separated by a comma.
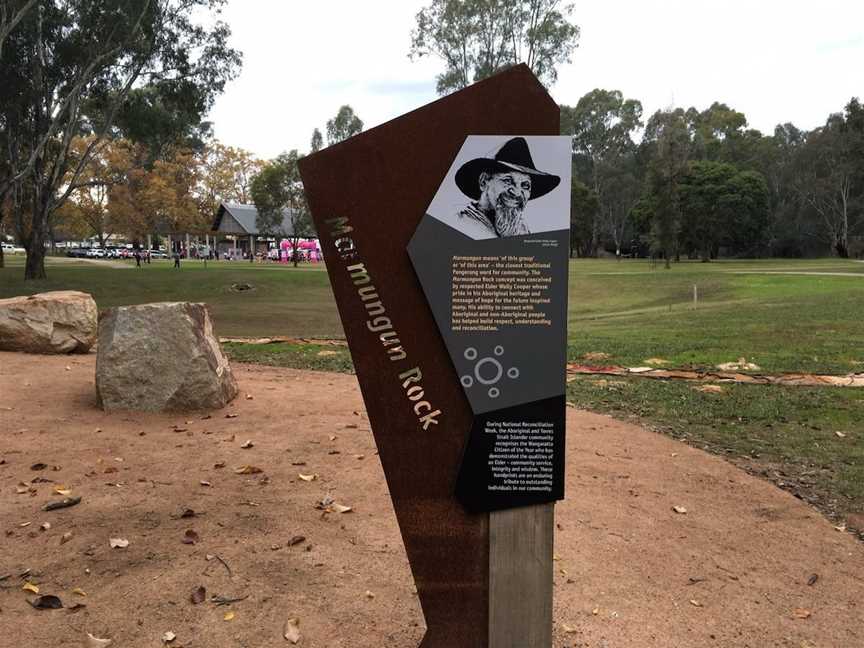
[[477, 38]]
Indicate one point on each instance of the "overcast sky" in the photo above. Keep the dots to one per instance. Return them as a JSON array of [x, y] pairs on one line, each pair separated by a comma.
[[774, 60]]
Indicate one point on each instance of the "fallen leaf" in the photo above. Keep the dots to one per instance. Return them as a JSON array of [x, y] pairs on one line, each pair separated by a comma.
[[187, 513], [45, 526], [38, 466], [369, 595], [168, 637], [190, 537], [64, 503], [249, 397], [231, 415], [680, 510], [228, 616], [812, 580], [96, 642], [595, 611], [709, 389], [333, 437], [66, 537], [62, 490], [247, 445], [297, 539], [199, 595], [47, 602], [246, 469], [569, 629], [307, 478], [25, 524], [801, 613], [118, 543], [30, 587], [840, 434], [695, 603], [339, 508], [204, 482], [219, 464], [291, 632], [22, 488], [79, 592]]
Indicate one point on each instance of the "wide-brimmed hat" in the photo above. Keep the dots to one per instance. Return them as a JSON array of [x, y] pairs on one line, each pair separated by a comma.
[[513, 156]]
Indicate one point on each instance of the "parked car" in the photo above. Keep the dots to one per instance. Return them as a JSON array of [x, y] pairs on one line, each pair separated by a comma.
[[8, 248], [158, 254], [76, 253]]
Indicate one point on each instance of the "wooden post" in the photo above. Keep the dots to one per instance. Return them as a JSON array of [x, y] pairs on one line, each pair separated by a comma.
[[187, 245], [520, 577], [251, 248]]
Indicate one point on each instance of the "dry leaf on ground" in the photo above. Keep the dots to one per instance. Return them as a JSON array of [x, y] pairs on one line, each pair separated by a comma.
[[30, 587], [247, 445], [190, 537], [228, 616], [199, 594], [291, 631], [97, 642], [118, 543], [246, 469], [801, 613], [680, 510], [168, 637], [307, 478], [47, 602]]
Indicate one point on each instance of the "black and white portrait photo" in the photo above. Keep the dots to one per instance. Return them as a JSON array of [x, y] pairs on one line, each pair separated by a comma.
[[506, 186]]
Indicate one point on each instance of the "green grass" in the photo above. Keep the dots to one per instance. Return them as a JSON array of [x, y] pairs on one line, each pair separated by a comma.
[[786, 433], [284, 300], [629, 310], [320, 357]]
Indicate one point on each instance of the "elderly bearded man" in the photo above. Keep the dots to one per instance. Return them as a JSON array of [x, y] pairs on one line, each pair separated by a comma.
[[500, 189]]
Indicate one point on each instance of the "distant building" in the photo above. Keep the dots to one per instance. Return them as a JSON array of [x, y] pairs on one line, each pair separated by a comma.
[[238, 225]]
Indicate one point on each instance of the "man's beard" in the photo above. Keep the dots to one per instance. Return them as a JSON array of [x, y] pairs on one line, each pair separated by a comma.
[[508, 216]]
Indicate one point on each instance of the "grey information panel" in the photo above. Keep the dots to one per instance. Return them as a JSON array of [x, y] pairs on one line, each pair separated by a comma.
[[492, 254]]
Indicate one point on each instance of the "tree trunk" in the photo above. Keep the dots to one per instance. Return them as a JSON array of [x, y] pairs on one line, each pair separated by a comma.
[[2, 258], [34, 267]]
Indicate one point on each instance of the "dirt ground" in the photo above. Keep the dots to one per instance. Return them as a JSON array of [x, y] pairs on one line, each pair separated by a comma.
[[747, 565]]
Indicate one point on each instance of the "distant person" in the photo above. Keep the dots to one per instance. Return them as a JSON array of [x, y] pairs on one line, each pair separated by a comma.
[[177, 260], [147, 257], [137, 259]]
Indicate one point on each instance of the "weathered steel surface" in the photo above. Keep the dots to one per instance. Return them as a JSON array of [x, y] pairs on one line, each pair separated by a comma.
[[382, 181]]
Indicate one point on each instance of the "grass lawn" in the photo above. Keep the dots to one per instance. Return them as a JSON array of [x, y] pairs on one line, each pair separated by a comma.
[[283, 300], [784, 315]]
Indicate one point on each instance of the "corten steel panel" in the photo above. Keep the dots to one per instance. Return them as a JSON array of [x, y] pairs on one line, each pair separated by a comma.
[[382, 181]]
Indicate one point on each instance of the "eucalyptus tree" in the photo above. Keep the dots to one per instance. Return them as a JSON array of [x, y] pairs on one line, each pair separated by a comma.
[[73, 68]]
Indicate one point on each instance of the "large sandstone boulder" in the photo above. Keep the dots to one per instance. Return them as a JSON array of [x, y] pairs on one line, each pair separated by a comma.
[[162, 356], [53, 322]]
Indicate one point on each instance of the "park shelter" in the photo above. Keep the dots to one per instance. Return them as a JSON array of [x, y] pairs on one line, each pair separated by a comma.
[[235, 229]]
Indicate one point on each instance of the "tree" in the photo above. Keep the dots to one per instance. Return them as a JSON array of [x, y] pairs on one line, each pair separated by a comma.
[[317, 142], [69, 68], [281, 202], [602, 126], [344, 125], [477, 38], [722, 206], [225, 175], [583, 220], [87, 210], [668, 140], [826, 172]]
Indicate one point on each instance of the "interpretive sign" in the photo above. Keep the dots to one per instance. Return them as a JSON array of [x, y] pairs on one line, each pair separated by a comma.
[[491, 254], [464, 397]]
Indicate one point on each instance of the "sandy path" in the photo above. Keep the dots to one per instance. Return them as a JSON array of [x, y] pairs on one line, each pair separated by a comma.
[[626, 562]]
